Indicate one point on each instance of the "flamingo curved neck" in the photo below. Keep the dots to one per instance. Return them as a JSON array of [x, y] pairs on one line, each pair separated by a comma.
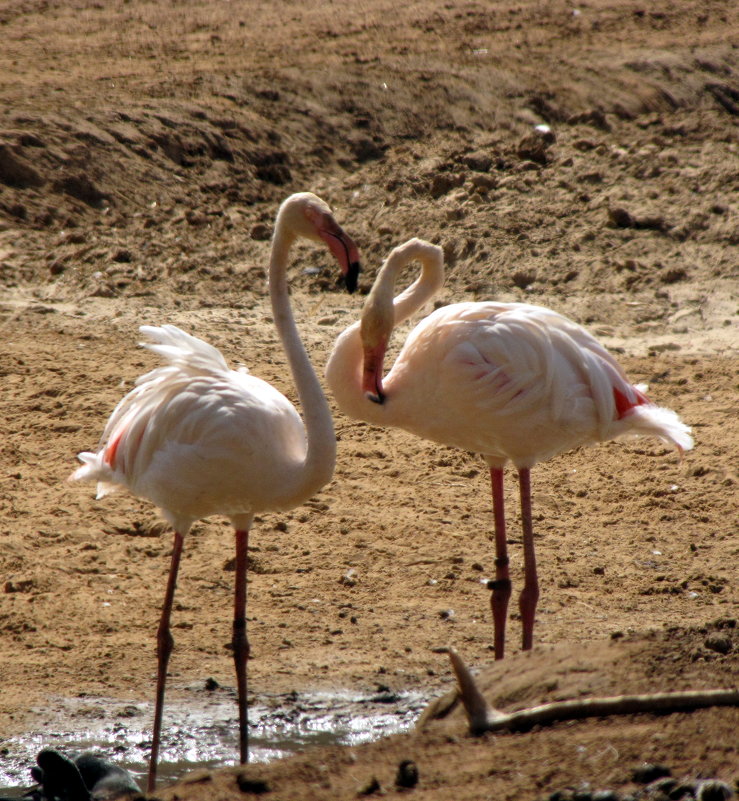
[[318, 467], [344, 367]]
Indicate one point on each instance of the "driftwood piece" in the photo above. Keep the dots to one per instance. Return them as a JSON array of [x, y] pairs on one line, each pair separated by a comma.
[[483, 718]]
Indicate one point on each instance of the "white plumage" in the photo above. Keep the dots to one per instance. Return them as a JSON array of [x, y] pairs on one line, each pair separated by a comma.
[[515, 382], [197, 438], [511, 381]]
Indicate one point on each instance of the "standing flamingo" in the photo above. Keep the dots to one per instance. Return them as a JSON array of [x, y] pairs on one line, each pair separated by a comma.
[[198, 439], [511, 381]]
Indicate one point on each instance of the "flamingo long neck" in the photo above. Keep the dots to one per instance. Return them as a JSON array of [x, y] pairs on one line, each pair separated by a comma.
[[320, 458], [344, 367]]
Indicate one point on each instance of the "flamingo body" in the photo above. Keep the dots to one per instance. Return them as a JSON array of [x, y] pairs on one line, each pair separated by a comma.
[[197, 438], [512, 381]]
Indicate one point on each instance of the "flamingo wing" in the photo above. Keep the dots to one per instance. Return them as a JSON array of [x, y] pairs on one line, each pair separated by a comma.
[[195, 437]]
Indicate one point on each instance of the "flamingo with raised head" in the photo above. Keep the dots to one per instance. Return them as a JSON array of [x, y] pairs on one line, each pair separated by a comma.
[[199, 439], [510, 381]]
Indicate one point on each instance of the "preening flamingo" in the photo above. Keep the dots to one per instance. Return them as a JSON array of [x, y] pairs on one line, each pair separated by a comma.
[[198, 439], [510, 381]]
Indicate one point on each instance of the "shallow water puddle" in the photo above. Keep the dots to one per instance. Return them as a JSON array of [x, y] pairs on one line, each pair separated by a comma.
[[202, 730]]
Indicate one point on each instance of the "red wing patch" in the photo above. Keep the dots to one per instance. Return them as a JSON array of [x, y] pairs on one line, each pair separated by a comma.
[[112, 449], [624, 405]]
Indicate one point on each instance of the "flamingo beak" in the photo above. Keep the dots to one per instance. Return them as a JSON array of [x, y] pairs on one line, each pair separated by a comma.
[[372, 372], [352, 276], [344, 250]]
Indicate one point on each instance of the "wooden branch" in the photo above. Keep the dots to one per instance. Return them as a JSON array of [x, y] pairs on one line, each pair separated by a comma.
[[482, 718]]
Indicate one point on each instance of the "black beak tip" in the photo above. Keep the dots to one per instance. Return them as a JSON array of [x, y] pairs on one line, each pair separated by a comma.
[[352, 277]]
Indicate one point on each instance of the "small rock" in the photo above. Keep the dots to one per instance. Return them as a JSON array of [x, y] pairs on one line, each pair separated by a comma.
[[211, 684], [254, 786], [277, 174], [672, 275], [20, 585], [365, 149], [647, 773], [444, 182], [620, 218], [479, 161], [654, 223], [593, 177], [122, 256], [260, 232], [596, 118], [484, 183], [534, 147], [721, 643], [713, 790], [196, 218], [523, 278], [372, 787], [349, 579], [407, 775]]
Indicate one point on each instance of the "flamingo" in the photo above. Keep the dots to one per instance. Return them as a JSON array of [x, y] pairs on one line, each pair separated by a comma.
[[511, 381], [197, 438]]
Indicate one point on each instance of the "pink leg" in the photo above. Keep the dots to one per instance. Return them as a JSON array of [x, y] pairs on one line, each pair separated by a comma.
[[165, 644], [240, 642], [530, 594], [501, 586]]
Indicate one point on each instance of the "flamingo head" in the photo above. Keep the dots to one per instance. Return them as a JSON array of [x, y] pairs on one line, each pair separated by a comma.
[[310, 217]]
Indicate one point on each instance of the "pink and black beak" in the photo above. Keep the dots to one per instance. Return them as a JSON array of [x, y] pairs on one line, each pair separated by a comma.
[[344, 250], [372, 372]]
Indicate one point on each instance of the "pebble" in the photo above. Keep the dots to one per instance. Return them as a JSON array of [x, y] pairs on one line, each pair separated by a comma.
[[713, 790], [372, 787], [254, 786], [721, 643], [349, 579], [648, 773], [407, 775], [260, 232]]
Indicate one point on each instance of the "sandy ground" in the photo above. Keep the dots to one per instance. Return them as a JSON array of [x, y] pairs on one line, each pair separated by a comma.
[[144, 149]]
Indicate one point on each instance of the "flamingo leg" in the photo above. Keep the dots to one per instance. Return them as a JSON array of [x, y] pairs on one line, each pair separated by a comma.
[[530, 593], [165, 643], [501, 586], [240, 641]]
